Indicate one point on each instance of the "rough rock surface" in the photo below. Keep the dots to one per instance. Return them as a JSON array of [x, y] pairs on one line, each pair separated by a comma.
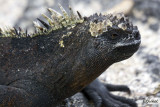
[[141, 72]]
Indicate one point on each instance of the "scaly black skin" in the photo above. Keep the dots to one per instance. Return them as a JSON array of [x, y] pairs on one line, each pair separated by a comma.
[[37, 72]]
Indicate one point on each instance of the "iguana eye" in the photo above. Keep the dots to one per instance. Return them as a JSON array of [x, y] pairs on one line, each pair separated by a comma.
[[114, 36]]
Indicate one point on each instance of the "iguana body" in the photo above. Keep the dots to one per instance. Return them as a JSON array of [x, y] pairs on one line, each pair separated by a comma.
[[44, 68]]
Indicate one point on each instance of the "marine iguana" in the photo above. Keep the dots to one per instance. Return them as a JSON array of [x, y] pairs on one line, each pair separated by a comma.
[[64, 56]]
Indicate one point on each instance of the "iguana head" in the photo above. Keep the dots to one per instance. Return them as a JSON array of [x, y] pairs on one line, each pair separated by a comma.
[[114, 36]]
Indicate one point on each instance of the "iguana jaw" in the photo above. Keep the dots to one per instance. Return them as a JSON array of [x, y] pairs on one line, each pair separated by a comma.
[[128, 49]]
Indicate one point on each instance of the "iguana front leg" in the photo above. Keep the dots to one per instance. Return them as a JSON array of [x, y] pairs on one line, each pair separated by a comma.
[[14, 97], [28, 95], [100, 94]]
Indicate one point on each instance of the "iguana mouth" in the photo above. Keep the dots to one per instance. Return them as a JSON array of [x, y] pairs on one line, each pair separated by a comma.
[[128, 48], [135, 42]]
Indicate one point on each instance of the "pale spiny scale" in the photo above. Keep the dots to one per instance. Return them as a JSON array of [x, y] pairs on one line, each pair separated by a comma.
[[66, 17], [36, 24], [56, 18], [48, 19], [53, 12], [119, 16], [66, 20], [38, 27], [8, 32], [22, 33], [2, 32], [55, 22], [12, 31], [122, 26], [58, 22], [72, 16]]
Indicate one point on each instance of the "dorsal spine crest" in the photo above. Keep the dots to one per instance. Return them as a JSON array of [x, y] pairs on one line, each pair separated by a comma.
[[57, 21]]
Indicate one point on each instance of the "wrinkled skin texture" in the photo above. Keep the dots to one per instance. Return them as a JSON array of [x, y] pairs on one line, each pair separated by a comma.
[[38, 72]]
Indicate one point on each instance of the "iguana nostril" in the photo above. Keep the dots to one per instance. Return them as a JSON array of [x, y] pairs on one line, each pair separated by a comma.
[[137, 35]]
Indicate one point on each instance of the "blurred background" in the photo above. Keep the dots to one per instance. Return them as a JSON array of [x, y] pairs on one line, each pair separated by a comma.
[[141, 72]]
